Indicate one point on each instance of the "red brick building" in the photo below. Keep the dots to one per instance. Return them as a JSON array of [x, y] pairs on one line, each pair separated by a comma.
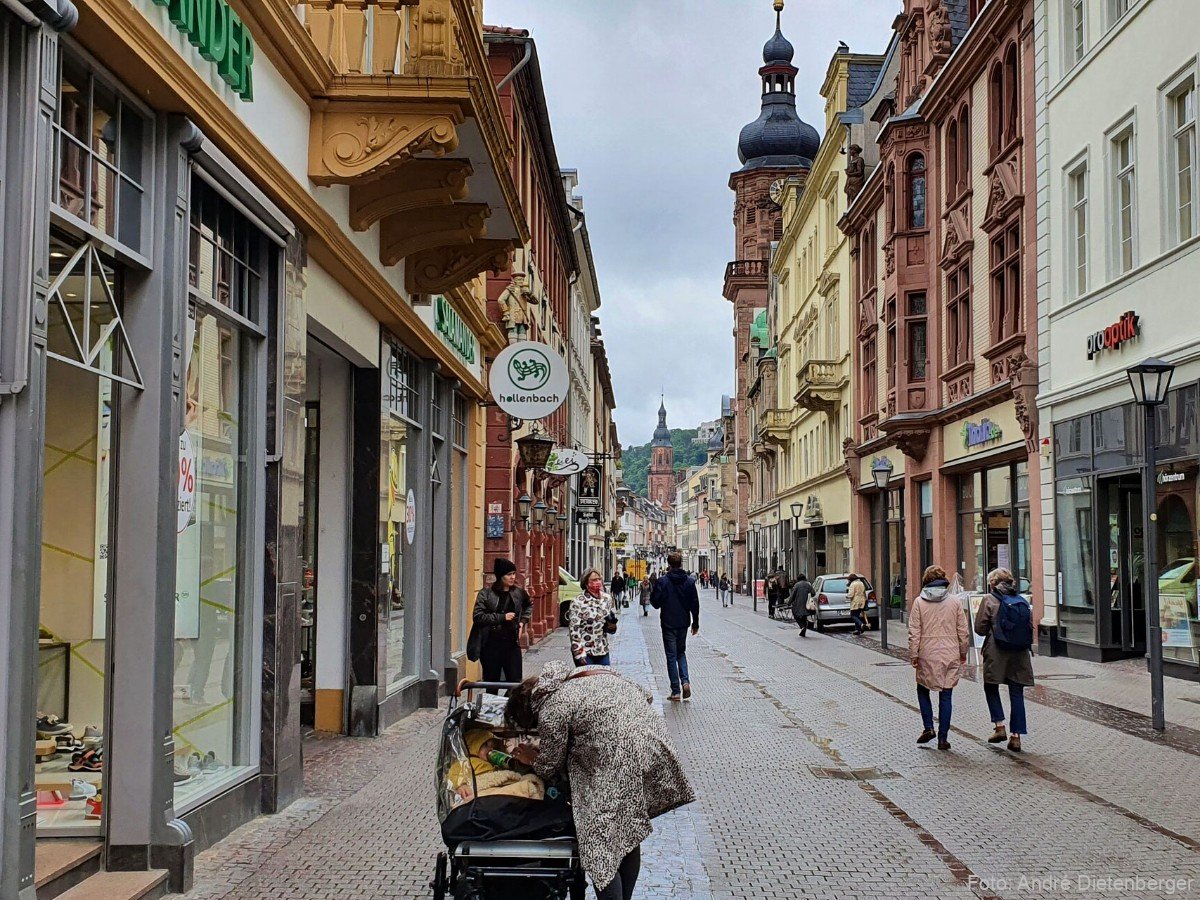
[[943, 232], [540, 276]]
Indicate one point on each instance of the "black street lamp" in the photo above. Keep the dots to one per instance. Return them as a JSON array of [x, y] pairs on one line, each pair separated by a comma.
[[1151, 380], [881, 473], [797, 509], [756, 528], [539, 513]]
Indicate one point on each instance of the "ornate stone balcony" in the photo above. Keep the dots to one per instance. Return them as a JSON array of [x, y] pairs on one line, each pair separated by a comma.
[[819, 385], [411, 122], [774, 426]]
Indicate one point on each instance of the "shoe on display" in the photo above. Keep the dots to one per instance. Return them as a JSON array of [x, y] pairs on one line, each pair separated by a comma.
[[94, 807], [193, 764], [182, 776], [52, 726], [82, 790], [67, 743], [93, 736], [87, 761], [209, 764]]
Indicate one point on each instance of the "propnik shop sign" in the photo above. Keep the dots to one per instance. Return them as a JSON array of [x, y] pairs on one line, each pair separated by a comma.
[[1124, 329], [216, 31], [529, 380]]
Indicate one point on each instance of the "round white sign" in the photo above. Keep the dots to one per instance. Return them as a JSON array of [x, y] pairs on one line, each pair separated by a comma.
[[566, 461], [529, 380], [186, 508], [410, 516]]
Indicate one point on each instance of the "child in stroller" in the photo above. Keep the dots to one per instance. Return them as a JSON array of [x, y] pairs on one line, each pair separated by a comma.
[[507, 836]]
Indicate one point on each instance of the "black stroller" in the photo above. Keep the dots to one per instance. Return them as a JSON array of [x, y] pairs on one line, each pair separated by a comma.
[[498, 847]]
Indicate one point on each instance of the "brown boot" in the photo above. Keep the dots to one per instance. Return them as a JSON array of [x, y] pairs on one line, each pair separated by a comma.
[[1014, 743], [999, 736], [926, 736]]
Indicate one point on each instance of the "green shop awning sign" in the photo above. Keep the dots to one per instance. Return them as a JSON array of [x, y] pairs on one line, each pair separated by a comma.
[[221, 37], [453, 329]]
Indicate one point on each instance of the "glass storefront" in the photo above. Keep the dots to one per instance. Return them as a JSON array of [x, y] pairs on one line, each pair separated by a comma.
[[1099, 504], [229, 266], [397, 500], [994, 525]]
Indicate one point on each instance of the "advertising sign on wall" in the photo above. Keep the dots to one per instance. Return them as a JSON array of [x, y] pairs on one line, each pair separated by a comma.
[[591, 485], [565, 461]]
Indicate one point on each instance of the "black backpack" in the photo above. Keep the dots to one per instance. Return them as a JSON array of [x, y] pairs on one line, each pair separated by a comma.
[[1013, 628]]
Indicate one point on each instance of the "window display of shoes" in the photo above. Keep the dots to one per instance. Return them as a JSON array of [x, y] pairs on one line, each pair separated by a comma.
[[209, 764], [93, 737], [82, 790], [67, 743], [87, 761], [49, 726], [94, 807]]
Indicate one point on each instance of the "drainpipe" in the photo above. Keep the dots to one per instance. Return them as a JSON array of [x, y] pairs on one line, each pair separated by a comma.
[[61, 15], [519, 66]]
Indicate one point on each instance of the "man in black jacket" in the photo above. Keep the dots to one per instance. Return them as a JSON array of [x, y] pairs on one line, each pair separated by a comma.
[[676, 598]]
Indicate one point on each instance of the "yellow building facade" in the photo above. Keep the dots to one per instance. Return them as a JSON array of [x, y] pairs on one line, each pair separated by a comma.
[[811, 315]]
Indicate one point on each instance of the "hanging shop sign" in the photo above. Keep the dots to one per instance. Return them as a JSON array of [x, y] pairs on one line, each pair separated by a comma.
[[979, 434], [587, 515], [529, 380], [566, 461], [1172, 477], [1124, 329], [221, 37], [590, 488], [453, 329]]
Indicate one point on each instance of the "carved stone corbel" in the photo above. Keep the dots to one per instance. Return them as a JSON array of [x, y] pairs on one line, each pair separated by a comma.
[[413, 184], [442, 268], [850, 455], [410, 232], [1023, 375], [350, 145]]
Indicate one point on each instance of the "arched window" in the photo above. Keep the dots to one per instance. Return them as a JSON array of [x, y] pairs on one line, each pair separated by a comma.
[[1012, 94], [964, 148], [890, 202], [916, 191], [953, 179], [996, 108]]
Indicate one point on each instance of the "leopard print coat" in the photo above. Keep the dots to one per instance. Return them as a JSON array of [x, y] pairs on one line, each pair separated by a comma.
[[622, 768]]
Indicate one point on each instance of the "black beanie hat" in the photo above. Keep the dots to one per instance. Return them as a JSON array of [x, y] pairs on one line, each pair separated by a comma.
[[502, 567]]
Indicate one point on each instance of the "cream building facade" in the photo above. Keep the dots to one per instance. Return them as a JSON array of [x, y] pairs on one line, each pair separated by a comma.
[[811, 309]]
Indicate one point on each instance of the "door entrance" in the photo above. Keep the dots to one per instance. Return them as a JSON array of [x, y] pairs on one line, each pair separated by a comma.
[[308, 590], [1124, 535]]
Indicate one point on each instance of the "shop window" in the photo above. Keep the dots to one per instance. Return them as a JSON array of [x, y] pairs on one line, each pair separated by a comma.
[[214, 595], [1177, 425], [1073, 446], [958, 334], [1117, 436], [1006, 282], [1073, 523], [99, 150], [926, 498], [396, 491]]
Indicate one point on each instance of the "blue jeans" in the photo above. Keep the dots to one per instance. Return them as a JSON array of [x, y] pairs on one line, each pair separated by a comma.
[[945, 708], [1016, 700], [860, 618], [675, 646], [604, 660]]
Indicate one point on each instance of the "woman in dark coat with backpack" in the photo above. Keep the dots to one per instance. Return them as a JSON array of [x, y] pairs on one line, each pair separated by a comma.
[[1005, 621]]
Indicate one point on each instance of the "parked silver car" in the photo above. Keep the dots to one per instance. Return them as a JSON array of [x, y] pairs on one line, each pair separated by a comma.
[[833, 601]]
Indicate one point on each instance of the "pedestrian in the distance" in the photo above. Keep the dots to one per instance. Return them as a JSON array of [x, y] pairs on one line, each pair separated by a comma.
[[678, 603], [1005, 619], [618, 586], [502, 611], [802, 593], [938, 640], [726, 590], [591, 621], [647, 586], [614, 748], [857, 592]]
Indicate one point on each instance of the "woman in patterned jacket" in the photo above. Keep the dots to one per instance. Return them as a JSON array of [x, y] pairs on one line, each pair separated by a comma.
[[586, 622], [623, 771]]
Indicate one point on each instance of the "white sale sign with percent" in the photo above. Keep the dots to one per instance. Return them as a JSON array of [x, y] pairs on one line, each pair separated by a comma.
[[187, 484]]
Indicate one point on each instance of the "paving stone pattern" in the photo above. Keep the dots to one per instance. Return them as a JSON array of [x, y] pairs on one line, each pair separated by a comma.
[[774, 715]]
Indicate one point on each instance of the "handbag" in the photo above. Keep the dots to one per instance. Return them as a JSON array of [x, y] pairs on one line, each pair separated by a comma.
[[475, 641], [811, 604]]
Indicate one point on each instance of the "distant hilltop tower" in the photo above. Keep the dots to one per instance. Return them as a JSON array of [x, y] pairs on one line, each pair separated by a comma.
[[661, 480]]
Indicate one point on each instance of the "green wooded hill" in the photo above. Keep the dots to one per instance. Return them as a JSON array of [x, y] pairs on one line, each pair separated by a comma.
[[635, 461]]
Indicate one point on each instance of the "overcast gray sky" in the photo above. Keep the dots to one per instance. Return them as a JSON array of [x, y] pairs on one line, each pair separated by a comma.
[[646, 100]]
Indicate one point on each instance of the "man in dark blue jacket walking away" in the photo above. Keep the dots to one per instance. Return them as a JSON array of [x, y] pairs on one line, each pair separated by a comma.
[[676, 598]]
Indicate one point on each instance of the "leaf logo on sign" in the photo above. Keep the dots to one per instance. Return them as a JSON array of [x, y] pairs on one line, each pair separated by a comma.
[[530, 370]]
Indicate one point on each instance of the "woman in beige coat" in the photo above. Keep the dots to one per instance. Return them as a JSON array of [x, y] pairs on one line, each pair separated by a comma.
[[938, 640]]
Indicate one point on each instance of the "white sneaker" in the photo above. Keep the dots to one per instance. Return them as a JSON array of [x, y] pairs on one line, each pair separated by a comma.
[[82, 790]]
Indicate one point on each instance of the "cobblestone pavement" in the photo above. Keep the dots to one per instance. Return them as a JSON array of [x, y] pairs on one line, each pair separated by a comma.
[[803, 753]]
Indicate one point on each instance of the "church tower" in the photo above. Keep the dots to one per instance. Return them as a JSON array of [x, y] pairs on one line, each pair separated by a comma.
[[661, 480]]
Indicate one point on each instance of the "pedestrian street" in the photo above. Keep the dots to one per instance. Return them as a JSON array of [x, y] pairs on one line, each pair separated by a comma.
[[802, 752]]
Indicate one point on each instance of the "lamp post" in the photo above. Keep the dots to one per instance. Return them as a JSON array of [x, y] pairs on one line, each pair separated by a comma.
[[756, 528], [881, 472], [1150, 381], [800, 566], [524, 504]]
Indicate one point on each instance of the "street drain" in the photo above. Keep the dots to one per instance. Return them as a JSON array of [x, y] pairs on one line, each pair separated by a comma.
[[837, 774], [1065, 676]]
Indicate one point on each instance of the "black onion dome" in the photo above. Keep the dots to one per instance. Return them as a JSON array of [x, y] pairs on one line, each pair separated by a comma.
[[662, 434], [778, 49]]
